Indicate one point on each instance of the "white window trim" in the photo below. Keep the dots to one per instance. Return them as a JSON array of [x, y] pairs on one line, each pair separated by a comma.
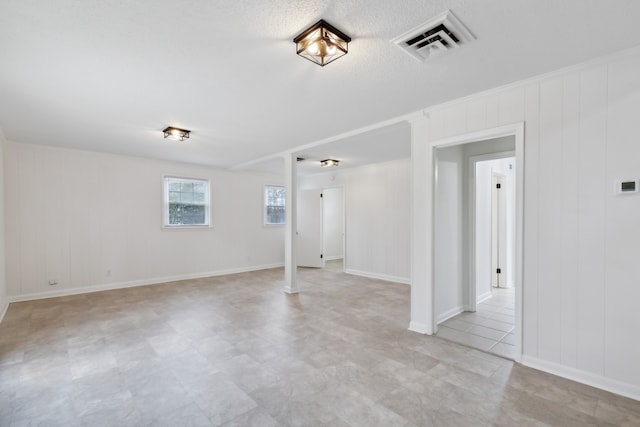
[[264, 206], [165, 204]]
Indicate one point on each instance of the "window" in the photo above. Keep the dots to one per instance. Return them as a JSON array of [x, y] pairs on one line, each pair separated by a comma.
[[186, 202], [274, 205]]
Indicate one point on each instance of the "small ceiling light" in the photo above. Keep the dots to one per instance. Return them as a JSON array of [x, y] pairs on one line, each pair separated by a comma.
[[327, 163], [322, 43], [176, 134]]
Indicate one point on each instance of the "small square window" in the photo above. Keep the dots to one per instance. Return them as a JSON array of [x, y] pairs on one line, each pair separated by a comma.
[[274, 205], [186, 202]]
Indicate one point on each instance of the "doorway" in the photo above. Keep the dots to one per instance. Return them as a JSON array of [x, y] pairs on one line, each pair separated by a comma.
[[333, 228], [492, 224], [488, 319], [478, 240], [320, 228]]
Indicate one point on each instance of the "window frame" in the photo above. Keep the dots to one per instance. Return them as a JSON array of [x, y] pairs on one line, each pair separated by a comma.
[[165, 202], [264, 206]]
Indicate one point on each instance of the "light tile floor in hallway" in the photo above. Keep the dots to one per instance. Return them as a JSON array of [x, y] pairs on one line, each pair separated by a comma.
[[237, 351], [336, 265], [489, 328]]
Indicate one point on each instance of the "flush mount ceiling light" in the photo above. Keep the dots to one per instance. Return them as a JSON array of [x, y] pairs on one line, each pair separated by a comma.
[[322, 43], [329, 163], [176, 134]]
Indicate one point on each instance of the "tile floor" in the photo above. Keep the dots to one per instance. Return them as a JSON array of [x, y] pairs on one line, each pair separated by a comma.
[[489, 328], [236, 351], [335, 265]]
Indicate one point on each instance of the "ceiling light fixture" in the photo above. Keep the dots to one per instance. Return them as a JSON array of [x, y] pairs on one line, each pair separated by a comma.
[[329, 163], [176, 134], [322, 43]]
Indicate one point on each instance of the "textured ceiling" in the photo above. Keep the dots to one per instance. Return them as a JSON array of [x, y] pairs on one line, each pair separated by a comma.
[[110, 75]]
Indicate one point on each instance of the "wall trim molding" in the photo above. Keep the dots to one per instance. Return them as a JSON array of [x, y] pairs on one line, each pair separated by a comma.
[[614, 386], [449, 314], [3, 310], [396, 279], [420, 328], [483, 297], [333, 258], [134, 283]]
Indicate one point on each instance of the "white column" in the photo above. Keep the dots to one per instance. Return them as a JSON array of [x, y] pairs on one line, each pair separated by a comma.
[[290, 240], [422, 319]]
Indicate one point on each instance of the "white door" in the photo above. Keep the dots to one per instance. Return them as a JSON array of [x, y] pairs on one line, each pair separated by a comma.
[[498, 232], [333, 223], [309, 230]]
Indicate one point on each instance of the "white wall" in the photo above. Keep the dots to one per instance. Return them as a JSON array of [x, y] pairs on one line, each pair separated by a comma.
[[581, 242], [91, 220], [3, 272], [333, 223], [449, 233], [377, 209]]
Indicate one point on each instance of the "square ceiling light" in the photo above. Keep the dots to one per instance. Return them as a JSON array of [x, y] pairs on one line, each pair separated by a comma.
[[322, 43], [176, 134], [329, 163]]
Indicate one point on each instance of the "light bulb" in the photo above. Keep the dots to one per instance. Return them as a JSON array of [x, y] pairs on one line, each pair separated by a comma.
[[313, 48]]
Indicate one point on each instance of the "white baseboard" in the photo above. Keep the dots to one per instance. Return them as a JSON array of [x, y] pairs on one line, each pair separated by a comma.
[[449, 314], [614, 386], [388, 278], [420, 328], [4, 306], [483, 297], [134, 283], [332, 258]]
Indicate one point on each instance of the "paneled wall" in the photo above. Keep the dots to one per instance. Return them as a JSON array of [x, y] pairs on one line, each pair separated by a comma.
[[450, 275], [377, 208], [87, 220], [3, 272], [581, 241]]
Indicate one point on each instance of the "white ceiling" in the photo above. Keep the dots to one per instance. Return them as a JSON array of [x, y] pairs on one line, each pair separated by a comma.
[[110, 75]]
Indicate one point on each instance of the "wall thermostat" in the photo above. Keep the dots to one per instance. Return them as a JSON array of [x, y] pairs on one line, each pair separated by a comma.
[[627, 186]]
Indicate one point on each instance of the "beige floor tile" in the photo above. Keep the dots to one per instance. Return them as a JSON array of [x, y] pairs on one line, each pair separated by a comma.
[[236, 351], [483, 331], [465, 338]]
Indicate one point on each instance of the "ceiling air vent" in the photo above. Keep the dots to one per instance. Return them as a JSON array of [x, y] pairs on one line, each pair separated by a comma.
[[438, 35]]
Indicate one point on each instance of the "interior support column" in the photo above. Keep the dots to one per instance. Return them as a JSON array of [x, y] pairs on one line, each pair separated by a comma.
[[422, 292], [291, 186]]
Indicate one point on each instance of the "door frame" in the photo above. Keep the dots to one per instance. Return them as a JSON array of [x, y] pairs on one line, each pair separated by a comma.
[[497, 236], [516, 130]]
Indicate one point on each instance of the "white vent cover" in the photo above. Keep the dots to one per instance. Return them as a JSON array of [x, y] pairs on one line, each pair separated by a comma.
[[440, 34]]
